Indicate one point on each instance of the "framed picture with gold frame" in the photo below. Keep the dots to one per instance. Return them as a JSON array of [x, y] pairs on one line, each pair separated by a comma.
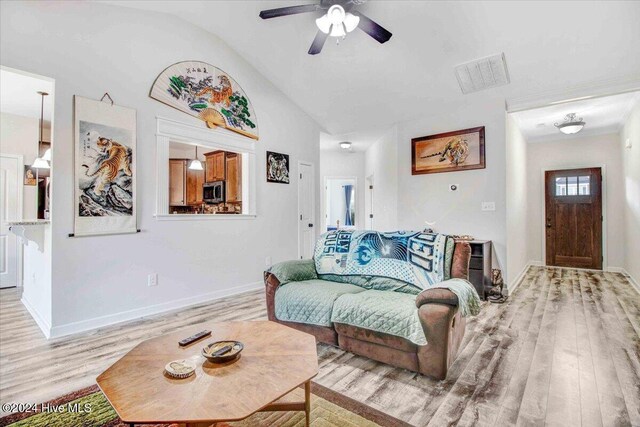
[[448, 152]]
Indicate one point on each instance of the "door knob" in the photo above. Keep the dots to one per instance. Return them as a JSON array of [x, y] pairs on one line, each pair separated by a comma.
[[548, 225]]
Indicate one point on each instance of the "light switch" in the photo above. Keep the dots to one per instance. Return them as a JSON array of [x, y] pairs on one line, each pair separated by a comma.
[[488, 206]]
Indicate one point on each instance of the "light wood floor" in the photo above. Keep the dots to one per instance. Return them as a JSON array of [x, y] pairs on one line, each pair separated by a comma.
[[564, 350]]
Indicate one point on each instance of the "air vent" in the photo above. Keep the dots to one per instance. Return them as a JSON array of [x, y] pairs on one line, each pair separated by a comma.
[[483, 73]]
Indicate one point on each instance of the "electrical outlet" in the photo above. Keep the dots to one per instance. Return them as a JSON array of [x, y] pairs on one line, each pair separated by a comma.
[[488, 206], [152, 279], [267, 261]]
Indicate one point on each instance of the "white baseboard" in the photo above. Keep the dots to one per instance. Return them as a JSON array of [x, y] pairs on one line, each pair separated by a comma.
[[125, 316], [634, 282], [512, 287], [533, 263], [44, 326]]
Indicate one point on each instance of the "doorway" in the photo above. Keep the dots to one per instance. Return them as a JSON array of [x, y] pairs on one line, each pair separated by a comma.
[[340, 203], [306, 209], [573, 218]]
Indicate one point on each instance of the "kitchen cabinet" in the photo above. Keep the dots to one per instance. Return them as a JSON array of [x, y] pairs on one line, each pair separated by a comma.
[[185, 185], [215, 166], [233, 189]]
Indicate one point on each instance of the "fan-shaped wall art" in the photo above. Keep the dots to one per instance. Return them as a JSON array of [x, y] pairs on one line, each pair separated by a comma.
[[208, 93]]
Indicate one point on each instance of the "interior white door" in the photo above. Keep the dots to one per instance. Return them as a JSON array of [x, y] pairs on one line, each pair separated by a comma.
[[10, 209], [306, 211]]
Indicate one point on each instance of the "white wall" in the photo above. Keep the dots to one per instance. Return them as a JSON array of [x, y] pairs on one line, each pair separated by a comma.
[[517, 201], [342, 164], [577, 152], [427, 197], [19, 135], [36, 291], [381, 161], [631, 198], [90, 48]]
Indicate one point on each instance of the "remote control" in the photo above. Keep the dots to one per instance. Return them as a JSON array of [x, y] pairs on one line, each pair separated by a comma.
[[194, 338], [223, 350]]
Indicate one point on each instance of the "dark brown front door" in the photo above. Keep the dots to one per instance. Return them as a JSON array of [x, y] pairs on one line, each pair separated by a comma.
[[573, 214]]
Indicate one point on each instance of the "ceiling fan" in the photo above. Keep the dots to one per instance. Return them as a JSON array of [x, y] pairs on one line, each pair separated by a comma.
[[340, 18]]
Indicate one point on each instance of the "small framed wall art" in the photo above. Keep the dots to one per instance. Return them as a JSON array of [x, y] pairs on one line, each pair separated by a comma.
[[448, 152], [277, 168]]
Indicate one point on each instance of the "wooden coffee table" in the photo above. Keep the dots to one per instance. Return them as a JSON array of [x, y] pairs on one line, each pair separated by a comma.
[[275, 361]]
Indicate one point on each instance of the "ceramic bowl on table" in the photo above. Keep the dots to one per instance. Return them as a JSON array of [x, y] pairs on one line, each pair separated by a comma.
[[222, 351]]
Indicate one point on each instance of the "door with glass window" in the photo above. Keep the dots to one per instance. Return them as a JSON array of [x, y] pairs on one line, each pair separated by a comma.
[[573, 218]]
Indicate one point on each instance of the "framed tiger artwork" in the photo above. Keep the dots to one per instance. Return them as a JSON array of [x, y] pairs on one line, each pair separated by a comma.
[[448, 152]]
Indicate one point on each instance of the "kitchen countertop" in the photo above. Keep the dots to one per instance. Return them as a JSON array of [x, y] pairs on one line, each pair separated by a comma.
[[29, 222]]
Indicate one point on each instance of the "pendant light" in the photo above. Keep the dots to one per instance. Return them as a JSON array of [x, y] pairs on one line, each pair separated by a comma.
[[196, 164], [41, 162]]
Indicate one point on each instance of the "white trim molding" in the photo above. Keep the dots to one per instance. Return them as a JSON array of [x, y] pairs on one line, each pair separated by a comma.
[[593, 89], [511, 288], [125, 316], [44, 326], [169, 130]]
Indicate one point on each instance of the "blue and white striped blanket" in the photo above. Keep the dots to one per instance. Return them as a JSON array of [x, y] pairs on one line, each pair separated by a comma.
[[414, 257]]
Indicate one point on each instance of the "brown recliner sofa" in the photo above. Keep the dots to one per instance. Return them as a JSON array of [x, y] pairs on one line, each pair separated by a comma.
[[438, 313]]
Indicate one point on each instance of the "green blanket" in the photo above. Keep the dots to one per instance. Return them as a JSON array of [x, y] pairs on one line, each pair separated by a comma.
[[468, 299], [395, 313]]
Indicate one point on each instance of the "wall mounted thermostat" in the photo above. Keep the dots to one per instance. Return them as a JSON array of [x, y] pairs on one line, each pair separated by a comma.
[[453, 187]]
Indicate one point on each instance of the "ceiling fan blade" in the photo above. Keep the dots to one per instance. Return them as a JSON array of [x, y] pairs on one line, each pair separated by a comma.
[[290, 10], [318, 43], [372, 28]]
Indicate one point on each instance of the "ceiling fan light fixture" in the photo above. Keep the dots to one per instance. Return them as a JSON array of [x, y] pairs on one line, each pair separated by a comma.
[[571, 124], [336, 14], [323, 24], [351, 22], [336, 22], [338, 31]]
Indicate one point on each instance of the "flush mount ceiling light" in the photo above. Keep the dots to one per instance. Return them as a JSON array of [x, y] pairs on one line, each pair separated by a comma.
[[336, 22], [345, 145], [196, 164], [571, 124]]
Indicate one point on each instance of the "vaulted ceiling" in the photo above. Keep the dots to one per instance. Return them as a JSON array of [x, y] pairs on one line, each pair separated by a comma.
[[361, 84]]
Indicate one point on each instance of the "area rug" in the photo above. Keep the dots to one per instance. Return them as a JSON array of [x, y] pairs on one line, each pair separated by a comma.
[[328, 408]]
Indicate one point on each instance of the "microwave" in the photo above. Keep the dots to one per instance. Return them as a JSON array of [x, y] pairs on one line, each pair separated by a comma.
[[213, 192]]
